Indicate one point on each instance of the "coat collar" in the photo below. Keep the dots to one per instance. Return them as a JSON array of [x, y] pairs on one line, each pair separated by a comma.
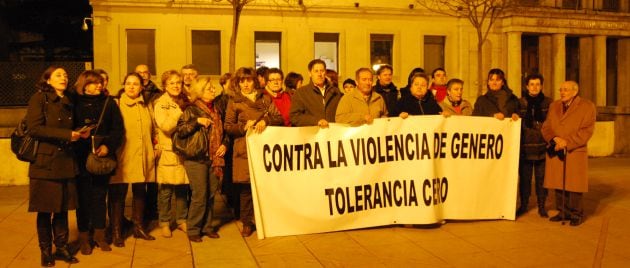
[[124, 99]]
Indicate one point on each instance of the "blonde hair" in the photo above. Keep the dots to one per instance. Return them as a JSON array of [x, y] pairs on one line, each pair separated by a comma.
[[197, 88]]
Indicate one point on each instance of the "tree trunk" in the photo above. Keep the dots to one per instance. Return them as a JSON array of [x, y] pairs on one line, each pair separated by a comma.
[[237, 8], [480, 71]]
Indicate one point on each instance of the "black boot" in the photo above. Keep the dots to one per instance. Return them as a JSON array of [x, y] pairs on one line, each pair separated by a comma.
[[117, 206], [542, 211], [521, 210], [84, 243], [44, 235], [61, 234], [99, 238], [138, 218]]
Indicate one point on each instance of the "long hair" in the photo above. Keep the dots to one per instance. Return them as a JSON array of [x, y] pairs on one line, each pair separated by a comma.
[[42, 83], [85, 78]]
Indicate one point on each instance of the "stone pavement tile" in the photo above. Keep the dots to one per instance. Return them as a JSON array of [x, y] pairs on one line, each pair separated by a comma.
[[467, 228], [377, 236], [281, 259], [29, 256], [423, 235], [230, 250], [13, 195], [449, 246], [529, 257], [619, 245], [163, 251], [498, 242], [526, 223], [614, 260], [477, 259], [338, 249], [404, 254]]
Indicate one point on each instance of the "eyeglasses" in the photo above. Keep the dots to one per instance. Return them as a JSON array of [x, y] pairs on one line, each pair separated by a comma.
[[275, 80]]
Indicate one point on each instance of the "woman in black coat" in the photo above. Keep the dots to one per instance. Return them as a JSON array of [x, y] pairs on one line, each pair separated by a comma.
[[92, 188], [52, 184], [499, 101], [420, 101]]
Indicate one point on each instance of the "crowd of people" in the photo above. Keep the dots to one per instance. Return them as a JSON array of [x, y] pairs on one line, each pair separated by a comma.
[[186, 141]]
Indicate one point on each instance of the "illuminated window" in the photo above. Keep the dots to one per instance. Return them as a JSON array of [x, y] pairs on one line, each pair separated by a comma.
[[267, 49], [140, 48], [326, 49], [381, 50], [206, 51], [433, 52]]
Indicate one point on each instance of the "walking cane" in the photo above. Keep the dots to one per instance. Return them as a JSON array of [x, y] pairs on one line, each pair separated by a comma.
[[564, 181]]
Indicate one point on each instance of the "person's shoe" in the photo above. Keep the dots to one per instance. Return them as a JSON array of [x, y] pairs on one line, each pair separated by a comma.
[[521, 210], [166, 231], [247, 230], [195, 238], [84, 243], [558, 217], [182, 227], [542, 212], [101, 242], [575, 221], [139, 232], [64, 254], [47, 258], [213, 235]]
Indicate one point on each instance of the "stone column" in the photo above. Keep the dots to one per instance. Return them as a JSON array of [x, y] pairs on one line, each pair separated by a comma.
[[587, 4], [623, 72], [587, 69], [558, 55], [624, 6], [545, 62], [514, 62], [599, 69]]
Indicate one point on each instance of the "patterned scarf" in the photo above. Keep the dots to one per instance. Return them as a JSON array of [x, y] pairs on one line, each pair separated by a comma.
[[215, 136]]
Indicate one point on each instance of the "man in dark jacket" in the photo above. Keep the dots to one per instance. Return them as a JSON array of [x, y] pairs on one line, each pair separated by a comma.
[[386, 87], [534, 106], [315, 104], [150, 91]]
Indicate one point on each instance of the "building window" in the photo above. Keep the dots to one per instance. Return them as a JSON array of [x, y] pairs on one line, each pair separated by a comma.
[[267, 49], [529, 55], [206, 51], [433, 52], [611, 72], [327, 48], [572, 4], [381, 50], [610, 5], [140, 48]]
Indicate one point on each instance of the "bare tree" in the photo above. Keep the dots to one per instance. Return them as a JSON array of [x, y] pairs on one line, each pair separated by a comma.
[[482, 14], [237, 9]]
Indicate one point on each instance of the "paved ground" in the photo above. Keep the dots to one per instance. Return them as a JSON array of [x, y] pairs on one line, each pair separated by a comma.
[[602, 241]]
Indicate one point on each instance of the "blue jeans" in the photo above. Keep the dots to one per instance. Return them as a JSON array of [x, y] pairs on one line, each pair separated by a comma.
[[165, 194], [203, 186]]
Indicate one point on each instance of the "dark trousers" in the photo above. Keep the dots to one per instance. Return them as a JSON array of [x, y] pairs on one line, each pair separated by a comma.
[[572, 204], [56, 227], [92, 208], [526, 169], [151, 203], [203, 186], [246, 201]]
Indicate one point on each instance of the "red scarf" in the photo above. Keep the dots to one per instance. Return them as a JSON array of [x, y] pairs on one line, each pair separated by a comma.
[[215, 137]]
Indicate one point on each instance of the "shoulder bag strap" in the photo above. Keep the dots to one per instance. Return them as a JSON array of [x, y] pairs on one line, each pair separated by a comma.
[[100, 119]]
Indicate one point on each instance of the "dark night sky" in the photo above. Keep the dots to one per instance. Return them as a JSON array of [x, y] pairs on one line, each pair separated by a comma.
[[58, 22]]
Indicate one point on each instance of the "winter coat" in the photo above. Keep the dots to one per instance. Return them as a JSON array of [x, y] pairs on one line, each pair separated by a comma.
[[55, 156], [308, 106], [389, 94], [465, 106], [487, 104], [576, 126], [282, 101], [533, 145], [136, 159], [170, 168], [87, 111], [240, 109], [413, 106], [353, 108]]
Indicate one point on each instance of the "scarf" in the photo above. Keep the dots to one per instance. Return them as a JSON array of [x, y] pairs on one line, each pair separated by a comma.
[[534, 111], [215, 137]]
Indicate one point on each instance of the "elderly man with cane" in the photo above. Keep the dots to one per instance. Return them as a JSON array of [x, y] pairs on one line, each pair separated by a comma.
[[569, 125]]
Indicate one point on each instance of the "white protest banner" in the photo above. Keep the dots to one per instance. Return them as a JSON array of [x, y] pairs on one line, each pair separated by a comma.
[[418, 170]]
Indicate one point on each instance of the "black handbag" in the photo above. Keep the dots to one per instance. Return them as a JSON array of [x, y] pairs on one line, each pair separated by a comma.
[[193, 146], [95, 164], [23, 145]]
